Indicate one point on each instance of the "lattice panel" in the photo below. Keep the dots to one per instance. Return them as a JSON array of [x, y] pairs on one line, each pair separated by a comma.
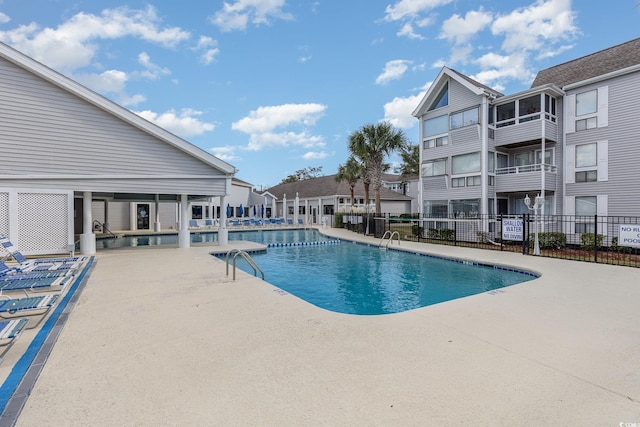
[[4, 214], [43, 222]]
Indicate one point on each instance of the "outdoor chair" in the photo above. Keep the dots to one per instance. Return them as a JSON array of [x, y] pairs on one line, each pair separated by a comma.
[[11, 308], [9, 273], [193, 223], [40, 264], [35, 285], [10, 330], [300, 221]]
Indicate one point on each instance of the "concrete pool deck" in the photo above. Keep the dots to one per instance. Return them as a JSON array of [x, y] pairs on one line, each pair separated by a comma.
[[159, 336]]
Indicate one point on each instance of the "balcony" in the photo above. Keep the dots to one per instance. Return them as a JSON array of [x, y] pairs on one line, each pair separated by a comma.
[[525, 132], [525, 178]]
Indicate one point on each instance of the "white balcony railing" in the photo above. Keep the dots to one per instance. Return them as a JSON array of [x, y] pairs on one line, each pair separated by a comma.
[[526, 168]]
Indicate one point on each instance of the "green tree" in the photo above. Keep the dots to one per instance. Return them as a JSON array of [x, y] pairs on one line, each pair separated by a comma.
[[410, 161], [302, 174], [371, 144], [350, 172]]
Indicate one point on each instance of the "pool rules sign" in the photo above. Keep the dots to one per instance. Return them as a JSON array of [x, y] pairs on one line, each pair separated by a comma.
[[629, 235], [512, 229]]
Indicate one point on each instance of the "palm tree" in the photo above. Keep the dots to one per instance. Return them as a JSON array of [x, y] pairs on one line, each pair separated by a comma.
[[410, 161], [349, 172], [371, 144]]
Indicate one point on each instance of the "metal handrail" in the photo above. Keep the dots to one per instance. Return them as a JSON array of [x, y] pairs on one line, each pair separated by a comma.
[[390, 234], [247, 258], [104, 228]]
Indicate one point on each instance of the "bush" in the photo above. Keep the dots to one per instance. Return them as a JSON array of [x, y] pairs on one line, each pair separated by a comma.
[[337, 220], [483, 236], [621, 249], [441, 233], [588, 240], [552, 240], [416, 230]]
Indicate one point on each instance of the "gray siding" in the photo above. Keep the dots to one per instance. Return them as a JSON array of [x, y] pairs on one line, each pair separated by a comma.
[[623, 135], [49, 130]]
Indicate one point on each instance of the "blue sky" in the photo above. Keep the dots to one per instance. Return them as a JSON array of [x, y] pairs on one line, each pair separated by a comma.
[[274, 86]]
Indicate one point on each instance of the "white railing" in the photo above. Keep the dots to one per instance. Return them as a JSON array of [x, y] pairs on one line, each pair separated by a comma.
[[526, 168]]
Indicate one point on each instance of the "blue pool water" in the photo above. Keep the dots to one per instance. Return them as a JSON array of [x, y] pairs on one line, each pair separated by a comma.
[[367, 280], [352, 278]]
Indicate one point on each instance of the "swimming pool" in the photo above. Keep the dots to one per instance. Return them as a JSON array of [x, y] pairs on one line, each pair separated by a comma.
[[361, 279]]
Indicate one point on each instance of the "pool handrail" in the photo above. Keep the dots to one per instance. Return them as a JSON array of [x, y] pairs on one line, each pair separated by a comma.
[[390, 234], [247, 258]]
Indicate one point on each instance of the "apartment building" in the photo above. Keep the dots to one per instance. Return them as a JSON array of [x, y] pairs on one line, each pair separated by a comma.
[[573, 138]]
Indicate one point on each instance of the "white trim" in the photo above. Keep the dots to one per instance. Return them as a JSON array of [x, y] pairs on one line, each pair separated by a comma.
[[603, 106], [603, 160]]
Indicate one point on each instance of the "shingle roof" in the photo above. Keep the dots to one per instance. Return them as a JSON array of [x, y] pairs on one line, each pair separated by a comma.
[[328, 186], [478, 84], [605, 61]]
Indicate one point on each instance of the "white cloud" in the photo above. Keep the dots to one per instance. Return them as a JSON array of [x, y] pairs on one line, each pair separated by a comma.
[[184, 124], [411, 9], [498, 69], [209, 49], [226, 153], [536, 27], [460, 30], [393, 70], [4, 18], [236, 15], [72, 44], [315, 155], [262, 125], [398, 111], [152, 71]]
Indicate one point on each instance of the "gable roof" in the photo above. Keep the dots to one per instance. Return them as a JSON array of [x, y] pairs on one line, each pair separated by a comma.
[[606, 61], [474, 86], [326, 186], [31, 65]]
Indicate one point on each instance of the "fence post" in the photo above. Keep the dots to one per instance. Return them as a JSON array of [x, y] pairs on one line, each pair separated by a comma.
[[595, 238], [525, 242], [501, 236], [455, 233]]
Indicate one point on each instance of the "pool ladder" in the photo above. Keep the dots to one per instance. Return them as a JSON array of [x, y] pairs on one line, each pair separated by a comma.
[[247, 258], [390, 234]]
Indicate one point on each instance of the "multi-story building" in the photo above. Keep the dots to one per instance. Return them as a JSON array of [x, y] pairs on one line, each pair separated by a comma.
[[573, 138]]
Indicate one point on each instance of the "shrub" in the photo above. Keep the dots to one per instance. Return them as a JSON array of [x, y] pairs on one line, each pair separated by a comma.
[[552, 240], [588, 240], [621, 249], [483, 236], [441, 233], [416, 230]]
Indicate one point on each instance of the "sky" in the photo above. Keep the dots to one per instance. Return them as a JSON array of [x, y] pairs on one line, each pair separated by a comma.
[[275, 86]]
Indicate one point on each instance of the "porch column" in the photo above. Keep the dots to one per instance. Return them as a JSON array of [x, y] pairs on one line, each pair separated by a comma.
[[105, 225], [223, 233], [184, 237], [87, 238], [156, 223]]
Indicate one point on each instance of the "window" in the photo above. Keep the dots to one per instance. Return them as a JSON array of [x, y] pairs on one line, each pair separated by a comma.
[[458, 182], [434, 167], [491, 161], [473, 181], [548, 156], [528, 107], [464, 118], [465, 163], [436, 208], [523, 159], [586, 155], [505, 114], [196, 212], [550, 108], [436, 142], [442, 100], [586, 102], [436, 126], [585, 206], [465, 208], [503, 161], [584, 124], [587, 163]]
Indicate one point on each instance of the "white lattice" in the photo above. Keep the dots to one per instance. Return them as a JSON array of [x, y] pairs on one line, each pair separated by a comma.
[[43, 222], [4, 214]]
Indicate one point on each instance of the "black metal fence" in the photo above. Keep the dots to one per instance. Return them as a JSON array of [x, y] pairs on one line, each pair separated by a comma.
[[602, 239]]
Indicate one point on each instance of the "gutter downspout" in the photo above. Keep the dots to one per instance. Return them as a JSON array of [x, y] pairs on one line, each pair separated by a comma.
[[484, 172]]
